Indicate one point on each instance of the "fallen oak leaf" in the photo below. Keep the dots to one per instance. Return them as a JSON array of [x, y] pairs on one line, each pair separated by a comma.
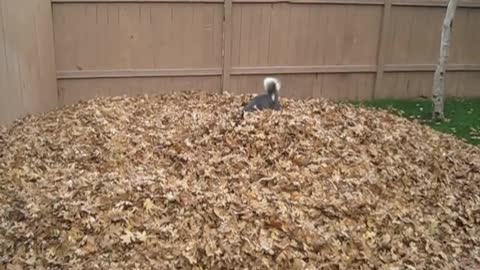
[[128, 237], [148, 205], [141, 236]]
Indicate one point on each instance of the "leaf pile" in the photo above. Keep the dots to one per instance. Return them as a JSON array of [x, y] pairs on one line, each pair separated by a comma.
[[183, 182]]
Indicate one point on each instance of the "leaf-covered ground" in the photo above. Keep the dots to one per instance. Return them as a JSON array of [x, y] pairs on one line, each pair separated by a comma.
[[462, 115], [184, 182]]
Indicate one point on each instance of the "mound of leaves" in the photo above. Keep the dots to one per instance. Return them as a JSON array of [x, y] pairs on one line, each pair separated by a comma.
[[185, 182]]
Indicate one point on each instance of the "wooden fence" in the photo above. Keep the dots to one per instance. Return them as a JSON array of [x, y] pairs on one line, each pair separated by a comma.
[[354, 49], [27, 63], [340, 49]]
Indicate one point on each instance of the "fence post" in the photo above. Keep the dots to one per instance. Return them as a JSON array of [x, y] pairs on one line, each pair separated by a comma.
[[382, 46], [227, 45]]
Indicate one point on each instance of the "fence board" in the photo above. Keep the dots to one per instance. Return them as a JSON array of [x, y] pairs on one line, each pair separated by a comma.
[[27, 68], [383, 46], [227, 45], [11, 94]]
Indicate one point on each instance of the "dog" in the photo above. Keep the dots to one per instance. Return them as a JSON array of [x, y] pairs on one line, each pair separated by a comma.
[[268, 101]]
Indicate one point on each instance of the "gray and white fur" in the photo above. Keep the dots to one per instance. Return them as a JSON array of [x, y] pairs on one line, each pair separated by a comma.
[[268, 101]]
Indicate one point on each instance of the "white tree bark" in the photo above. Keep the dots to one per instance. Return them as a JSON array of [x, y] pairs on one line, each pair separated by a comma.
[[439, 77]]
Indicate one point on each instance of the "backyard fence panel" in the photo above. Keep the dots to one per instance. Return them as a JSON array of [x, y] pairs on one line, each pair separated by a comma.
[[340, 49], [27, 63]]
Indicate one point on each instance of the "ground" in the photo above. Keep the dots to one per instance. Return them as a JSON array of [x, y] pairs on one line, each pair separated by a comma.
[[185, 182], [463, 115]]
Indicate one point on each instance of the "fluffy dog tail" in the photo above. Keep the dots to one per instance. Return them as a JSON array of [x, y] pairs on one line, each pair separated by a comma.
[[272, 86]]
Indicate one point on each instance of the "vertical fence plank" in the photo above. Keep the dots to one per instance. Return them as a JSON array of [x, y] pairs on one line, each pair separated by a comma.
[[227, 45], [382, 47]]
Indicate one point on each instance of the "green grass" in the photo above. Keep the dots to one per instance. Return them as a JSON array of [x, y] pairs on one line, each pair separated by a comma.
[[462, 115]]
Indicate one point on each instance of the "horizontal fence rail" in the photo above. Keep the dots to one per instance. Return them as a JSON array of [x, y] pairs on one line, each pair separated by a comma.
[[181, 72]]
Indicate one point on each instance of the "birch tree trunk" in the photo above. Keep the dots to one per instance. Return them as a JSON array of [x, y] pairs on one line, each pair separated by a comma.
[[439, 77]]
